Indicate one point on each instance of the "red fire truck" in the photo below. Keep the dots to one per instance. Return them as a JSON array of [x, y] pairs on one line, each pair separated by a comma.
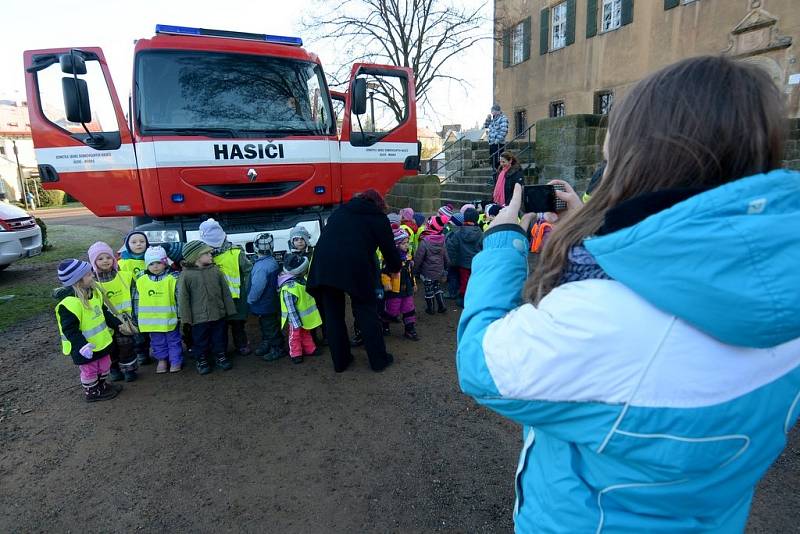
[[236, 126]]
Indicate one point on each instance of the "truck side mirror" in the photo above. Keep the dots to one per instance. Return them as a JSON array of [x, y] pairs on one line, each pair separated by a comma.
[[72, 63], [359, 102], [76, 100]]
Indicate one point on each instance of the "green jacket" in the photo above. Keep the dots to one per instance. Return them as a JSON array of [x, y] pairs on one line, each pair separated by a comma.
[[203, 295]]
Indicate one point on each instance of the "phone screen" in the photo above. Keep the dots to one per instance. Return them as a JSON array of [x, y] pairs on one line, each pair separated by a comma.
[[539, 198]]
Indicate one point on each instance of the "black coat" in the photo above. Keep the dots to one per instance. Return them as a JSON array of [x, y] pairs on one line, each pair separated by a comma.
[[344, 257], [513, 176]]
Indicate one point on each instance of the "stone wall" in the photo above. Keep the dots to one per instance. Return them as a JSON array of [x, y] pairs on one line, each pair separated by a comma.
[[569, 148], [791, 157], [422, 193]]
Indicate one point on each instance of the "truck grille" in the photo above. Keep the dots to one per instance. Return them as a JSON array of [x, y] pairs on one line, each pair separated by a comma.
[[271, 189]]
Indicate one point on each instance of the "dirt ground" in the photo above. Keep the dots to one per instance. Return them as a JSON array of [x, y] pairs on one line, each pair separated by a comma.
[[272, 447]]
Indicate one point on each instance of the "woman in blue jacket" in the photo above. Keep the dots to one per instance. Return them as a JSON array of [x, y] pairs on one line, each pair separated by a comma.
[[653, 363]]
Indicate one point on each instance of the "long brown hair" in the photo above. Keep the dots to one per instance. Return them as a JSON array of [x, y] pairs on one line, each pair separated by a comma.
[[509, 156], [699, 123]]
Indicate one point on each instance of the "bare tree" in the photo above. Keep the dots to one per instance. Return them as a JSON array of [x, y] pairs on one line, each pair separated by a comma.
[[422, 34]]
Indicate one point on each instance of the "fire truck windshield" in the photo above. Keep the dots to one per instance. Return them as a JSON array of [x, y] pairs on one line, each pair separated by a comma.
[[224, 94]]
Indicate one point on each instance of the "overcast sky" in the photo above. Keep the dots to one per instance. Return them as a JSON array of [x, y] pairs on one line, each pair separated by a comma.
[[113, 25]]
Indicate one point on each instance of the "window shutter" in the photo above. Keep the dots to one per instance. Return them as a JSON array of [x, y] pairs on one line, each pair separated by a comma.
[[591, 18], [544, 31], [627, 12], [669, 4], [506, 48], [526, 39], [570, 37]]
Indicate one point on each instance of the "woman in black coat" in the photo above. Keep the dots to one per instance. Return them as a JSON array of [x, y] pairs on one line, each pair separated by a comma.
[[344, 262], [513, 175]]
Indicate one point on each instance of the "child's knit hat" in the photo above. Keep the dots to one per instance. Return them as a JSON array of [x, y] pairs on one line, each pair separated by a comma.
[[406, 214], [263, 244], [436, 224], [300, 231], [465, 207], [394, 219], [419, 219], [295, 264], [399, 235], [193, 250], [212, 234], [101, 248], [471, 215], [458, 219], [71, 271], [493, 210], [446, 210], [155, 255]]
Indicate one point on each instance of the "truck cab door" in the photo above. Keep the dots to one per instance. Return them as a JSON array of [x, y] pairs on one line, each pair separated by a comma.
[[378, 141], [82, 140]]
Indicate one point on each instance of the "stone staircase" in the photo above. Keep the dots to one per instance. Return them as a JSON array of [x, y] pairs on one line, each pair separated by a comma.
[[469, 171]]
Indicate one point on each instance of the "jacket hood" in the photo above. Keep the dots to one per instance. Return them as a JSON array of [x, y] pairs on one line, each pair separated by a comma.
[[360, 205], [471, 234], [284, 278], [435, 239], [726, 260]]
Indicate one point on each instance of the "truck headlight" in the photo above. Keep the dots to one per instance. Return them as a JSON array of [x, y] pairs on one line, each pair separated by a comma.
[[162, 236]]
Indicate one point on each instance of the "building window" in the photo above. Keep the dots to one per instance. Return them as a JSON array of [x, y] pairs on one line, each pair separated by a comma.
[[517, 43], [2, 151], [603, 100], [559, 24], [557, 108], [520, 121], [612, 15]]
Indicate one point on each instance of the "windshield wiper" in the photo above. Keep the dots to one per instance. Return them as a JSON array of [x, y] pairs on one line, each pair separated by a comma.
[[210, 132]]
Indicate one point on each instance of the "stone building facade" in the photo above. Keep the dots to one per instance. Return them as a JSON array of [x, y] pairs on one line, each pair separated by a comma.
[[566, 57]]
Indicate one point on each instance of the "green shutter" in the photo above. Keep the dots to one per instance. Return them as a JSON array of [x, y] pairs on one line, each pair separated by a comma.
[[526, 39], [570, 22], [627, 12], [669, 4], [591, 18], [544, 31], [506, 48]]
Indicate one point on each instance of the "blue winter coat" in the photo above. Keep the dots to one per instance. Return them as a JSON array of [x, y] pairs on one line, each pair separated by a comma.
[[263, 295], [653, 402]]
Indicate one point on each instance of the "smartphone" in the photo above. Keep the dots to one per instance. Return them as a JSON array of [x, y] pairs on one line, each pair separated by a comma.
[[542, 198]]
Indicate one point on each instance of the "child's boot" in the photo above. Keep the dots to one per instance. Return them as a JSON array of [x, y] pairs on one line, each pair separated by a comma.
[[202, 365], [263, 349], [297, 359], [411, 332], [130, 375], [115, 373], [429, 306], [143, 358], [223, 362], [99, 393], [440, 303]]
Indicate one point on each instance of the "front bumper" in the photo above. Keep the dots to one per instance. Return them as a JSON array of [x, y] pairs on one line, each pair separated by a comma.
[[21, 244]]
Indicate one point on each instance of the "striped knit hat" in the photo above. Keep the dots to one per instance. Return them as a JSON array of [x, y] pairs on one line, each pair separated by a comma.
[[399, 235], [193, 250], [458, 219], [436, 224], [71, 271], [446, 211], [263, 244]]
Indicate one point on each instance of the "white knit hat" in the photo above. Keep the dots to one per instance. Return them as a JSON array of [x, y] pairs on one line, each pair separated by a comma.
[[212, 234]]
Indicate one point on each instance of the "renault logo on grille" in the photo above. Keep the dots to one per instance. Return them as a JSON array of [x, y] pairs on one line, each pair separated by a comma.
[[252, 175]]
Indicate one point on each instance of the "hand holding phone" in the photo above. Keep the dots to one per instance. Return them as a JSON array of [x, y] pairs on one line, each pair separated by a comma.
[[542, 198]]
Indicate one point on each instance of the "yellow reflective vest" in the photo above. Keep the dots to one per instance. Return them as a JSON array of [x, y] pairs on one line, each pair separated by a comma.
[[118, 291], [132, 266], [91, 322], [158, 310], [306, 306], [413, 238], [228, 263]]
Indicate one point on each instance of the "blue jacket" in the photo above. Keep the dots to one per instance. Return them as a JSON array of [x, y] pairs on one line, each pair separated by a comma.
[[263, 295], [653, 402]]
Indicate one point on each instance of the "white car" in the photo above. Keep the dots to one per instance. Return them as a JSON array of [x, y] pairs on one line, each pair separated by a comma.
[[20, 236]]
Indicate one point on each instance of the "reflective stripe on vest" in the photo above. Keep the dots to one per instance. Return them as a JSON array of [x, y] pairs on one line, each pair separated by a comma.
[[91, 322], [118, 291], [306, 306], [158, 311], [228, 263], [538, 232], [132, 266]]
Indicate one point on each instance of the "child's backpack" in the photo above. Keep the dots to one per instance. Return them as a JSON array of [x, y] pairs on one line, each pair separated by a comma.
[[539, 232]]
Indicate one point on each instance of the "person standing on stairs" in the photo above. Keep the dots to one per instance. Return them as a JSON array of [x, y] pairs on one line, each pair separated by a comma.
[[497, 124]]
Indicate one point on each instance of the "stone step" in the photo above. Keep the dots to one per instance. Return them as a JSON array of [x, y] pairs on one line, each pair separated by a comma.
[[458, 198], [476, 189]]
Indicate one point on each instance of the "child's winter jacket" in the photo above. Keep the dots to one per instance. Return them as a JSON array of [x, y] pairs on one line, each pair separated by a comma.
[[203, 295], [263, 295], [431, 259]]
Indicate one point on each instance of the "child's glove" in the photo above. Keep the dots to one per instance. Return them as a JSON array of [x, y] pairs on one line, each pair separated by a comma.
[[87, 351]]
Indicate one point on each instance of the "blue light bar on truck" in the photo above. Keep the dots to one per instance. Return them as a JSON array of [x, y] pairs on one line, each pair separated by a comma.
[[185, 30]]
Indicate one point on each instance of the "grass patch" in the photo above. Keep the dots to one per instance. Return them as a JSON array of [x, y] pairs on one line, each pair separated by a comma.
[[73, 242], [32, 296], [61, 207]]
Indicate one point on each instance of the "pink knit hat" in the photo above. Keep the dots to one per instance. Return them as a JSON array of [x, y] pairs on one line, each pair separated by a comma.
[[406, 214], [101, 248], [437, 224], [465, 207], [399, 235]]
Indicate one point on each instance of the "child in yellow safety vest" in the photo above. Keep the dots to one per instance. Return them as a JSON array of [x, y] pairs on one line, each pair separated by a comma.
[[399, 289], [132, 256], [85, 323], [155, 309], [236, 268], [116, 287], [298, 308]]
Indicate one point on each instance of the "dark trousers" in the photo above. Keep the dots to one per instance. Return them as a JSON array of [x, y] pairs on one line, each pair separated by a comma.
[[453, 281], [271, 335], [123, 357], [332, 302], [209, 338], [494, 155], [239, 334]]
